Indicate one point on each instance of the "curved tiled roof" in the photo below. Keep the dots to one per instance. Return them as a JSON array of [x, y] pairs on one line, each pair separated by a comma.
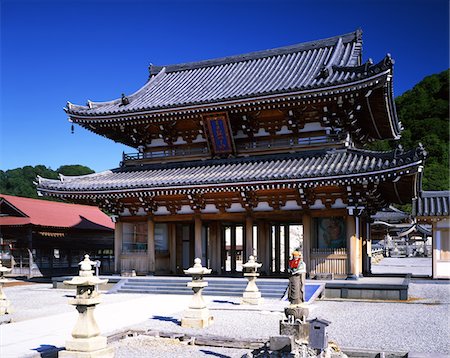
[[287, 69], [432, 203], [296, 167], [54, 214]]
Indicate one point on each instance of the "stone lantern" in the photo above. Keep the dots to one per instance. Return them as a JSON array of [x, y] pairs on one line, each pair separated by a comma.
[[5, 304], [86, 339], [197, 315], [251, 295]]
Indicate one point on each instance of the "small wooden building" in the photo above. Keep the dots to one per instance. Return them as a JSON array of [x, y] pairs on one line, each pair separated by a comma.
[[255, 153], [41, 237], [432, 207]]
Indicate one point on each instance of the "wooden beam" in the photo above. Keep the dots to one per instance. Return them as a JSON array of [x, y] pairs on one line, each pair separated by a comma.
[[118, 237], [172, 247], [307, 238], [151, 244], [248, 238], [198, 238], [352, 247]]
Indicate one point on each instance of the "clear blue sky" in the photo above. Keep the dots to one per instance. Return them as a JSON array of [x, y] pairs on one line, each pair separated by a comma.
[[58, 51]]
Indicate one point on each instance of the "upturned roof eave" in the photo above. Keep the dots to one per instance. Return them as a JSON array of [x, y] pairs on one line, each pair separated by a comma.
[[79, 118], [270, 181]]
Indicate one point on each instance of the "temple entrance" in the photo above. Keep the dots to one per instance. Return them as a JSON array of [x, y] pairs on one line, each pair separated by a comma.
[[185, 246], [233, 248], [285, 238]]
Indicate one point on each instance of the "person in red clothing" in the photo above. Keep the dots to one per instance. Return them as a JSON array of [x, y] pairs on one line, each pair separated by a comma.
[[297, 268]]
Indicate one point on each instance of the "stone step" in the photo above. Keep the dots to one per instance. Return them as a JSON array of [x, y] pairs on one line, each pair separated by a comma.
[[216, 287], [210, 284], [206, 293], [230, 289]]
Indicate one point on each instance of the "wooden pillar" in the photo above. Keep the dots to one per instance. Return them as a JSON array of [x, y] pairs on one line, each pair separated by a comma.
[[151, 245], [118, 234], [172, 247], [352, 245], [248, 238], [263, 245], [434, 250], [198, 238], [214, 242], [366, 247], [30, 252], [307, 237], [359, 236]]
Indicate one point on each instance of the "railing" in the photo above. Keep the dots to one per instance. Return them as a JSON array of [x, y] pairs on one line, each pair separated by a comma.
[[134, 247], [290, 142], [328, 261], [377, 255], [164, 153]]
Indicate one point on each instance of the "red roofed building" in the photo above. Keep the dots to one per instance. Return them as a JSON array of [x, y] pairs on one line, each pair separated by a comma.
[[50, 238]]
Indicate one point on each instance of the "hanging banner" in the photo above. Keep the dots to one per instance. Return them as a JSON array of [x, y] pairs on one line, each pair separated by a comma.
[[219, 133]]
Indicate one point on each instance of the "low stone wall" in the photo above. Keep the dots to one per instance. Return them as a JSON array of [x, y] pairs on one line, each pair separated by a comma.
[[378, 291]]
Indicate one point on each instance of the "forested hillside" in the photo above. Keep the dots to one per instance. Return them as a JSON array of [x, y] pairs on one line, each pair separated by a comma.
[[424, 113], [20, 181]]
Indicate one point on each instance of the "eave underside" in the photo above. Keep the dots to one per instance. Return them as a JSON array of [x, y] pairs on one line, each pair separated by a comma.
[[248, 183]]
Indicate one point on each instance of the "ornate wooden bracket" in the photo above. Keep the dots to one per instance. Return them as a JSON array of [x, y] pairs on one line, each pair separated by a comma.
[[248, 200], [222, 204], [196, 202]]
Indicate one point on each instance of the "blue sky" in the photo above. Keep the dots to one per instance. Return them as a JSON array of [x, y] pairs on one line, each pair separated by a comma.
[[58, 51]]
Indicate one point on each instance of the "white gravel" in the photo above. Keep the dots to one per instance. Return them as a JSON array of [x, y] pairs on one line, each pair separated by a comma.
[[421, 324], [144, 346], [420, 266]]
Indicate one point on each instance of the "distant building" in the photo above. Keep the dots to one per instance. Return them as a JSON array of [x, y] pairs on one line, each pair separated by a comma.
[[255, 153], [398, 232], [42, 237], [432, 207]]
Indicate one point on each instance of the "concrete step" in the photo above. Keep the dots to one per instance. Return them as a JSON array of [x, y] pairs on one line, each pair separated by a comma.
[[216, 287]]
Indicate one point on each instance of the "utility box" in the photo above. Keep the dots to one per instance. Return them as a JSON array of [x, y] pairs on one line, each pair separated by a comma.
[[318, 337]]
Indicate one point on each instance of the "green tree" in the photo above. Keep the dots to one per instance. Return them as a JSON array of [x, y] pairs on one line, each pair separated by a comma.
[[424, 113], [19, 181], [74, 170]]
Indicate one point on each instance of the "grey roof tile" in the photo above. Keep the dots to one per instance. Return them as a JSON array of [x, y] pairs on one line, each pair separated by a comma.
[[284, 69], [296, 166], [432, 203]]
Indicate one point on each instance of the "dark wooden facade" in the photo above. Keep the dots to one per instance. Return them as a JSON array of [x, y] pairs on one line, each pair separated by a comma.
[[42, 238]]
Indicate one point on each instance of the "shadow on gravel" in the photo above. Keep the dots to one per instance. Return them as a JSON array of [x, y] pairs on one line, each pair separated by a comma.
[[48, 351], [229, 302], [166, 319], [210, 353]]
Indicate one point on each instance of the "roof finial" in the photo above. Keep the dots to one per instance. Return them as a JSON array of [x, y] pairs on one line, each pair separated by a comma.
[[388, 61], [125, 100]]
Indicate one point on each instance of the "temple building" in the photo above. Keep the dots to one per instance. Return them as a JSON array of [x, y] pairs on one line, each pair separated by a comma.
[[432, 207], [257, 153], [47, 238]]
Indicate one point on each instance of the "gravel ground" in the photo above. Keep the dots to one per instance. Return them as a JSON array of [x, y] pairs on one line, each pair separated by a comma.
[[421, 324], [144, 346], [414, 265], [237, 324], [37, 300]]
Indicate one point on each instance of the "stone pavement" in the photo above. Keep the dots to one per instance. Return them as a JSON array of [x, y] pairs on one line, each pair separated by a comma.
[[27, 338]]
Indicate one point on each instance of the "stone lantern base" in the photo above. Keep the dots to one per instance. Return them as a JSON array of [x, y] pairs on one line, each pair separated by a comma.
[[87, 348], [251, 298], [5, 307], [197, 318]]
